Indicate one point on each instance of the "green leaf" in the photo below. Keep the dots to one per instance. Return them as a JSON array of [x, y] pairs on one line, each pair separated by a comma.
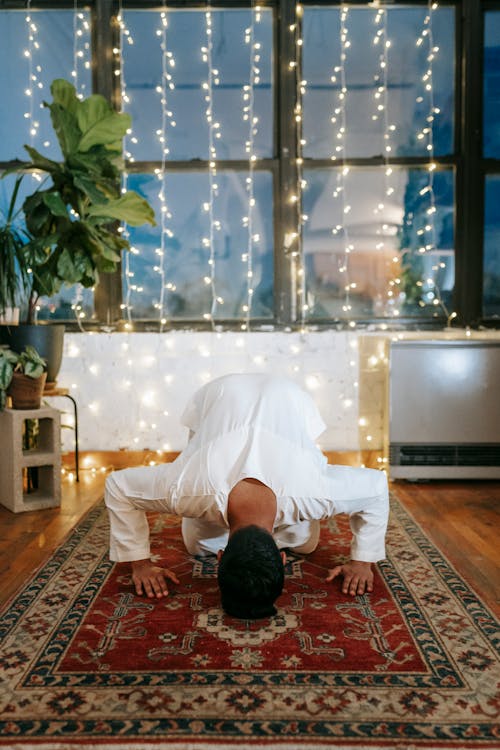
[[99, 124], [88, 186], [130, 208], [7, 354], [36, 251], [30, 362], [31, 353], [110, 254], [33, 370], [95, 166], [112, 240], [72, 265], [38, 214], [6, 370], [91, 278], [56, 204], [38, 161], [91, 111], [64, 93], [45, 282], [66, 128]]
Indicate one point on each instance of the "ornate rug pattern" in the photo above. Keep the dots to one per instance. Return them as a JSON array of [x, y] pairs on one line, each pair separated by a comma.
[[85, 661]]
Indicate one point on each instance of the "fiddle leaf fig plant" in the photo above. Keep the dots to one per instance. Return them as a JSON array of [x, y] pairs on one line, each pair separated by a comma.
[[69, 222]]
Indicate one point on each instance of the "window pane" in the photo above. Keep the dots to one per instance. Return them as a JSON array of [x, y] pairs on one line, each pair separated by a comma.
[[491, 131], [53, 54], [185, 36], [395, 256], [72, 302], [409, 100], [187, 252], [491, 277]]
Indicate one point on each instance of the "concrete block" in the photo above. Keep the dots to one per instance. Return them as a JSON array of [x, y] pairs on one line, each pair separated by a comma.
[[44, 461]]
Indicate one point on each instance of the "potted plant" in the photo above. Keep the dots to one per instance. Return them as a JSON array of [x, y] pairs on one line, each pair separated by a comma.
[[22, 377], [70, 220], [13, 271]]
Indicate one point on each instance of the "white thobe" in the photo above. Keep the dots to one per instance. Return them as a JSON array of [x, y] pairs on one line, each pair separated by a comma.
[[259, 426]]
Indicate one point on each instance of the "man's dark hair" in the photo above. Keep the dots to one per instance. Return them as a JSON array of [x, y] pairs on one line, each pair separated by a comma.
[[251, 574]]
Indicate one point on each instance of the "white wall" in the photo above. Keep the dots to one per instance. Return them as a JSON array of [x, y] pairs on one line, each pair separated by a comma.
[[131, 388]]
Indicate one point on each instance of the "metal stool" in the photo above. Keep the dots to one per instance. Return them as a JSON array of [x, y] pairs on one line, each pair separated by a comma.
[[51, 391]]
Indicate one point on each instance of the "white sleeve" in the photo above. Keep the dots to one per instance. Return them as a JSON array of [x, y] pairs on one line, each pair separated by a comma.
[[129, 494], [314, 422], [363, 494], [191, 416]]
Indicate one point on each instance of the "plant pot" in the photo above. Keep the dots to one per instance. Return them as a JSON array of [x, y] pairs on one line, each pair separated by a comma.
[[25, 392], [47, 338]]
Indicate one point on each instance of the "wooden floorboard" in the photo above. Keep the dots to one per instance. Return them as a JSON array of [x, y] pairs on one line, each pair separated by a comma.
[[462, 518]]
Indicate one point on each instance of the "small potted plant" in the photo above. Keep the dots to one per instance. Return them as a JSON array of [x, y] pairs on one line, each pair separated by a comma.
[[22, 377]]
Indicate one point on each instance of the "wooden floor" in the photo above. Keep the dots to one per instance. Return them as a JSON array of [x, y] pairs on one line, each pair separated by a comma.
[[462, 518]]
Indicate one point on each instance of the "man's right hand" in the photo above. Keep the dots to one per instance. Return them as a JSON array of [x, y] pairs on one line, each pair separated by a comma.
[[150, 579]]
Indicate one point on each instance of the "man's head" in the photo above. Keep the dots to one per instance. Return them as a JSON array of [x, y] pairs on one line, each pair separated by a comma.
[[251, 574]]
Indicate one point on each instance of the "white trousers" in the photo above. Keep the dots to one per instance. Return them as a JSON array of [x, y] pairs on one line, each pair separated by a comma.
[[203, 537]]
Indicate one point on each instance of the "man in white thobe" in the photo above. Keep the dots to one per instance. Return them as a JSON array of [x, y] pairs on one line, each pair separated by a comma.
[[251, 463]]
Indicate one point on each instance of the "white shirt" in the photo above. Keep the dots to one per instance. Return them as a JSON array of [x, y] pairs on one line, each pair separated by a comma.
[[258, 426]]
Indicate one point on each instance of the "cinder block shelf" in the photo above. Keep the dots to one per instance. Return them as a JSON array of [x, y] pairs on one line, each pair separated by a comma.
[[37, 458], [15, 460]]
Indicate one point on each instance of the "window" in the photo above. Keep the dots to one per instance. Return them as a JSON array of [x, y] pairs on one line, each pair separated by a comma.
[[309, 164], [491, 145], [378, 240], [37, 46], [491, 120], [184, 275], [211, 255]]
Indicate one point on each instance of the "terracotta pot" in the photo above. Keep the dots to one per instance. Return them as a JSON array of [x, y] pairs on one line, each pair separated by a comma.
[[25, 392]]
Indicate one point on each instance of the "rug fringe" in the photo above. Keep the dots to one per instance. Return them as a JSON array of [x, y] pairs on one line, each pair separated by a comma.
[[113, 744]]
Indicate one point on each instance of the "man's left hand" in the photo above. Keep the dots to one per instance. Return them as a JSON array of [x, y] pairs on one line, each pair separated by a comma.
[[358, 576]]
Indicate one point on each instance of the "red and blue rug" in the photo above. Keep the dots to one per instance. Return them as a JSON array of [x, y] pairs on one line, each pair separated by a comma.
[[86, 662]]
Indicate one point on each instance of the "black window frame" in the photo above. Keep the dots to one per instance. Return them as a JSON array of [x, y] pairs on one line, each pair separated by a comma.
[[467, 161]]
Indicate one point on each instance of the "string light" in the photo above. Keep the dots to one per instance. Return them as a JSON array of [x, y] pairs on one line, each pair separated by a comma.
[[81, 50], [250, 117], [35, 83], [214, 133], [296, 199], [381, 101], [81, 58], [167, 85], [427, 231], [140, 421], [339, 120], [293, 240], [119, 72]]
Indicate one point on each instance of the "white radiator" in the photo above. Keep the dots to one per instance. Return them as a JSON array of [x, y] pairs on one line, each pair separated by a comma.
[[444, 410]]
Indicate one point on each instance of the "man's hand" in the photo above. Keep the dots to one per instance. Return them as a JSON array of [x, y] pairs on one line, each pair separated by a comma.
[[358, 576], [150, 579]]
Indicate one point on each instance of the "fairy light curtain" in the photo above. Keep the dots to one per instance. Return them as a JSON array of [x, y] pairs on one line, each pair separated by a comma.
[[210, 257], [339, 281], [53, 46], [214, 133], [249, 116], [341, 126]]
